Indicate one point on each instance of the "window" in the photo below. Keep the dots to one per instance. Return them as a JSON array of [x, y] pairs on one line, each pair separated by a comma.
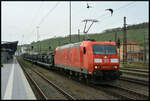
[[104, 49], [84, 50], [98, 49], [110, 49]]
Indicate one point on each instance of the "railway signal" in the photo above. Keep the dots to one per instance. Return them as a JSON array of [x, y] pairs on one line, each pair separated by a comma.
[[32, 47], [118, 43], [124, 42]]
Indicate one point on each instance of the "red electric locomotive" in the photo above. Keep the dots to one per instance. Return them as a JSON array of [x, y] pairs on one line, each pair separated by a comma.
[[94, 61]]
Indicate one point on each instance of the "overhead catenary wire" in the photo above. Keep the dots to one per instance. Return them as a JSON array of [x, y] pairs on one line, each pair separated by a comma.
[[36, 15], [112, 23], [105, 14], [108, 18], [33, 19], [66, 29], [117, 9], [42, 20]]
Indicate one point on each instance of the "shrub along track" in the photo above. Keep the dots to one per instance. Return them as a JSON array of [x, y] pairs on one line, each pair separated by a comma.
[[111, 90]]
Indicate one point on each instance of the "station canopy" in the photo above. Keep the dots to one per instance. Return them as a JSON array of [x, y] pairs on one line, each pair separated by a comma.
[[9, 46]]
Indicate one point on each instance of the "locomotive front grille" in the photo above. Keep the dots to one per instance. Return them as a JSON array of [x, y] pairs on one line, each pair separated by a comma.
[[106, 66]]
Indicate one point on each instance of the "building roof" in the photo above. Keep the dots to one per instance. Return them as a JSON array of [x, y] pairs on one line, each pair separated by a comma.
[[129, 42], [10, 45], [134, 52]]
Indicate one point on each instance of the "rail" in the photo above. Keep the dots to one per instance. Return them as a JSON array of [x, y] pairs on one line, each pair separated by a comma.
[[67, 95]]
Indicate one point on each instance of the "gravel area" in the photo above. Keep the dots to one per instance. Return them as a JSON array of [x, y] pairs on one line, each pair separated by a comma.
[[75, 88]]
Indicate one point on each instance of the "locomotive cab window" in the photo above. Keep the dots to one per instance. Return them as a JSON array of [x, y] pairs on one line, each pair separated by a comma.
[[84, 50], [110, 49], [104, 49]]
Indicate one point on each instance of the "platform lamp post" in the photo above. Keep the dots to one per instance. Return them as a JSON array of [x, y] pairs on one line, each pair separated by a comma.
[[86, 31]]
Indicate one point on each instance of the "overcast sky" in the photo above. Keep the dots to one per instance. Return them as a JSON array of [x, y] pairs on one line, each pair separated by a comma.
[[20, 19]]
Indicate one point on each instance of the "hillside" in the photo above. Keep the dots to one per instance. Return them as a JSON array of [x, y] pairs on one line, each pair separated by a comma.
[[134, 33]]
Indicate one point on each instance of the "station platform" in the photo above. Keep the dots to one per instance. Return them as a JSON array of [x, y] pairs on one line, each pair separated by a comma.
[[14, 85]]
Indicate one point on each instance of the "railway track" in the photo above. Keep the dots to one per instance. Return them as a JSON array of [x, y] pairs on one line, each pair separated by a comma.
[[138, 76], [144, 75], [120, 92], [135, 80], [129, 94], [113, 91], [135, 73], [136, 70], [39, 89], [123, 93]]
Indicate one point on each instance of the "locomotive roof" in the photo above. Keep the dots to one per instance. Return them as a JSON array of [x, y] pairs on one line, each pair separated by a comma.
[[69, 45], [79, 43]]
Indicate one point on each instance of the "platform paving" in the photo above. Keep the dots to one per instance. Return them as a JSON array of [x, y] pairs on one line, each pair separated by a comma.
[[14, 85]]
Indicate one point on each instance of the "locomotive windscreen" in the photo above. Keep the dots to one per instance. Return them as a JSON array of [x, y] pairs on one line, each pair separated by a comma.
[[104, 49]]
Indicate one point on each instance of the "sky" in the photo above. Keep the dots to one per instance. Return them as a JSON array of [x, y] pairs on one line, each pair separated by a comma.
[[21, 21]]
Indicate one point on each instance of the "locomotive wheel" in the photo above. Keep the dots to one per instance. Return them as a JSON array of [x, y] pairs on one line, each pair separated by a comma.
[[87, 81], [76, 74], [80, 76], [70, 77], [70, 72]]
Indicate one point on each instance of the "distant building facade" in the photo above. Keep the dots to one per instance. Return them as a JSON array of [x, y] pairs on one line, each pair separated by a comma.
[[134, 51]]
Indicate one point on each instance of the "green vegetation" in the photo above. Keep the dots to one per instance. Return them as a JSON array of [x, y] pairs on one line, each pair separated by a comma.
[[28, 63], [135, 33]]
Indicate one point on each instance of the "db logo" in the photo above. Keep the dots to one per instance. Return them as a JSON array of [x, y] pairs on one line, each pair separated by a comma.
[[106, 60]]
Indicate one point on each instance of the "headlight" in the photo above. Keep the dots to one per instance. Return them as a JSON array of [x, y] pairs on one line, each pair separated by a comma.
[[98, 60], [115, 67], [114, 60], [97, 67]]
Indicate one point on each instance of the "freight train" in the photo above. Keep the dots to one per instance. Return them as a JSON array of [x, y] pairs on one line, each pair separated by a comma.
[[96, 62]]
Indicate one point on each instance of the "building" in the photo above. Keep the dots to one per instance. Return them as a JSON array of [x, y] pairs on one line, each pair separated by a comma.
[[134, 51]]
